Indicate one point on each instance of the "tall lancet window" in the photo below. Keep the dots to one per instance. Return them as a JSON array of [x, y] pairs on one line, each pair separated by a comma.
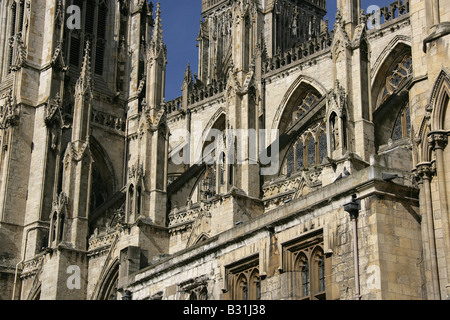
[[402, 128], [14, 31], [94, 17]]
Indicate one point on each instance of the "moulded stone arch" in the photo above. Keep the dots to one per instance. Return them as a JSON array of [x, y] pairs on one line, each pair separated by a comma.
[[101, 156], [201, 238], [385, 111], [293, 94], [439, 102], [201, 229], [394, 51], [424, 150], [388, 51], [217, 121], [108, 281], [106, 185]]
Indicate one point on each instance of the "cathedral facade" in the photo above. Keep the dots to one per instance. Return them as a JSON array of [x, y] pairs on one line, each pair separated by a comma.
[[301, 162]]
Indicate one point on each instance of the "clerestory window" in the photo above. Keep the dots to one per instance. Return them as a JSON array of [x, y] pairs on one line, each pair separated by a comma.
[[308, 151], [401, 73]]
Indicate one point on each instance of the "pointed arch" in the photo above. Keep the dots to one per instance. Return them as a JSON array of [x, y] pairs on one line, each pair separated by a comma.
[[109, 282], [104, 180], [394, 45], [217, 122], [423, 146], [393, 54], [202, 238], [297, 91], [439, 102], [101, 156]]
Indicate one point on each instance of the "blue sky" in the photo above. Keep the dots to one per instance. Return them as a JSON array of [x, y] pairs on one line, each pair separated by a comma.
[[181, 23]]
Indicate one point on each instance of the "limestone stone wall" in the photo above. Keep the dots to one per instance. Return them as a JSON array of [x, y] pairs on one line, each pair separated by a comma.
[[389, 248]]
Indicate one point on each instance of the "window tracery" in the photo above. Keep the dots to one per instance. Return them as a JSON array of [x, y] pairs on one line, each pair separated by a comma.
[[306, 260], [310, 149], [398, 77], [244, 281], [208, 183]]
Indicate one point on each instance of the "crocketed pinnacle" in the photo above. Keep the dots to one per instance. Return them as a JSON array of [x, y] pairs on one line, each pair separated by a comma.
[[85, 79], [157, 38], [188, 74]]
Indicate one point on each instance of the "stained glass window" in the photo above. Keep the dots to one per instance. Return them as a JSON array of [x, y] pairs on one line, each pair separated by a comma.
[[398, 77], [300, 156], [398, 134], [307, 152], [323, 150], [408, 121], [290, 163], [402, 127], [311, 152], [212, 181]]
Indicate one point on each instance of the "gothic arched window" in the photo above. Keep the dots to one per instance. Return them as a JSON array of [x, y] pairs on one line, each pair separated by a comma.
[[94, 21], [305, 152], [14, 32], [131, 202], [303, 266], [244, 281], [323, 149], [311, 151], [290, 162], [320, 267], [307, 262], [53, 228], [242, 288], [62, 220], [300, 155], [208, 183], [398, 77], [402, 127]]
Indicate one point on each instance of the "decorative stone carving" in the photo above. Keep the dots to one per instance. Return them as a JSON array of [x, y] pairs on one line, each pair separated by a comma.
[[9, 113], [59, 14], [58, 58], [425, 171], [438, 139], [60, 203]]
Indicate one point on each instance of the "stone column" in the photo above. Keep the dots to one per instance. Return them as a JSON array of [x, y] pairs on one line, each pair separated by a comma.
[[439, 140], [425, 172]]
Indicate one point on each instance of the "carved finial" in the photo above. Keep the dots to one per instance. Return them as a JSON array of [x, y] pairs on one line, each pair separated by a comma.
[[338, 18], [157, 38], [157, 47], [188, 74], [85, 81]]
